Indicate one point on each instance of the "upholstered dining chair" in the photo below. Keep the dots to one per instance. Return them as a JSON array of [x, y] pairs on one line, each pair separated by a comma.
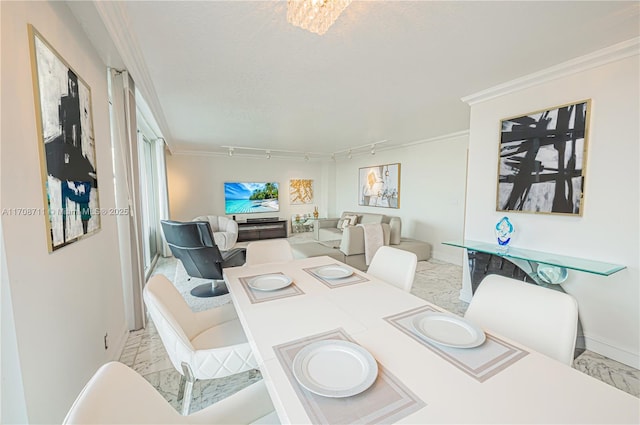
[[116, 394], [223, 229], [205, 345], [394, 266], [268, 251], [541, 318], [193, 244]]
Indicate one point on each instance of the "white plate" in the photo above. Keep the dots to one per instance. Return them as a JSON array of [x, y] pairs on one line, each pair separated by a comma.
[[335, 368], [448, 330], [334, 272], [270, 282]]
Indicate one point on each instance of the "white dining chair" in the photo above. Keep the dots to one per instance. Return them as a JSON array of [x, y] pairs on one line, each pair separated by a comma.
[[205, 345], [116, 394], [394, 266], [541, 318], [268, 251]]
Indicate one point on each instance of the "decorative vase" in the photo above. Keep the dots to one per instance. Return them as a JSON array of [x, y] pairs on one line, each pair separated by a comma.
[[315, 212], [504, 229]]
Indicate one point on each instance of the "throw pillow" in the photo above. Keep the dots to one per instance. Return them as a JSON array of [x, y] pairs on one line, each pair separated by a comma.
[[352, 219], [345, 223]]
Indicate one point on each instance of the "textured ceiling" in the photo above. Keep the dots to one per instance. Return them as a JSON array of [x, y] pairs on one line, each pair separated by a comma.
[[236, 73]]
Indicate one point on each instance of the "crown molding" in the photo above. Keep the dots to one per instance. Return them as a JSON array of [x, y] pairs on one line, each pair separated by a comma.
[[116, 21], [338, 156], [441, 138], [600, 57]]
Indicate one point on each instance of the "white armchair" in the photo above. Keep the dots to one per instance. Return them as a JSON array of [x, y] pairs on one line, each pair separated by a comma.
[[116, 394], [225, 230], [204, 345]]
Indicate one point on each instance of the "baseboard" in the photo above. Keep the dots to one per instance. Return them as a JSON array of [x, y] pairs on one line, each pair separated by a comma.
[[614, 353], [447, 257], [121, 341]]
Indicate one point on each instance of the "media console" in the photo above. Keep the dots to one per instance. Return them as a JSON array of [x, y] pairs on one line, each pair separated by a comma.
[[262, 228]]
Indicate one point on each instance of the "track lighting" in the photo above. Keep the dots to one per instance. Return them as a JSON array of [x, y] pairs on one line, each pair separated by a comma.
[[373, 149], [349, 154], [268, 154], [230, 151]]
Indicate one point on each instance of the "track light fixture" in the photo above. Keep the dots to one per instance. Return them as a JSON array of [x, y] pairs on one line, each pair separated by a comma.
[[373, 149], [349, 154], [230, 151], [306, 156], [268, 154]]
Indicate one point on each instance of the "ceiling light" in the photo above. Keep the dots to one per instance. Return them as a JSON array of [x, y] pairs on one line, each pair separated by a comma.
[[349, 154], [315, 15], [230, 151], [373, 149], [268, 154]]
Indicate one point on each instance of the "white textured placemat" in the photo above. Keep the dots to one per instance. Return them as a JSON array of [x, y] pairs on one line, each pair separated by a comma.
[[336, 283], [386, 401], [481, 362], [262, 296]]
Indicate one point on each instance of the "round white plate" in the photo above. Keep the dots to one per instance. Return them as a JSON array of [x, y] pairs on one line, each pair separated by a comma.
[[335, 368], [270, 282], [448, 330], [334, 272]]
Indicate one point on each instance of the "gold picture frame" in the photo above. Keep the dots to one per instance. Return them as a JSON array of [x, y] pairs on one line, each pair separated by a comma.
[[379, 186], [542, 159], [64, 121]]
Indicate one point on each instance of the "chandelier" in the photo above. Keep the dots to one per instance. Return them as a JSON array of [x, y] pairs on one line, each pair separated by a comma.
[[315, 15]]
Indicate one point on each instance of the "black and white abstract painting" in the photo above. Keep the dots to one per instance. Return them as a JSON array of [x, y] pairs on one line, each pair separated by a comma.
[[542, 161], [66, 143]]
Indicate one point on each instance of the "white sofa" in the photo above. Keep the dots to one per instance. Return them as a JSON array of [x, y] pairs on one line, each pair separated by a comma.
[[347, 244]]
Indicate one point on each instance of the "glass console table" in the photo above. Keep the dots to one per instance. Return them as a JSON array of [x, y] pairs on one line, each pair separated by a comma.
[[545, 267]]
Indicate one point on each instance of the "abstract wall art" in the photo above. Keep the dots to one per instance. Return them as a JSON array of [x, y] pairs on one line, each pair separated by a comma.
[[300, 191], [64, 123], [542, 160], [379, 186]]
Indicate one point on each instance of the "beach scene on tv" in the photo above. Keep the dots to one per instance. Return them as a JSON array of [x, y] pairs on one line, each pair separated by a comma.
[[243, 198]]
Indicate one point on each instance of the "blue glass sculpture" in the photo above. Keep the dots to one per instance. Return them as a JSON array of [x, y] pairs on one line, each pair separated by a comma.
[[504, 229]]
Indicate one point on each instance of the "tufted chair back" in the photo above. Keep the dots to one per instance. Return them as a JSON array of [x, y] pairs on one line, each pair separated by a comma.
[[204, 345]]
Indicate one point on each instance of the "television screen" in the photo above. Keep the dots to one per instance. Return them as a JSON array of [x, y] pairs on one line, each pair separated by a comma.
[[245, 198]]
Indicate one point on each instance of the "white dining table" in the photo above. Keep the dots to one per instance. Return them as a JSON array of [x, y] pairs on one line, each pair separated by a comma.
[[532, 389]]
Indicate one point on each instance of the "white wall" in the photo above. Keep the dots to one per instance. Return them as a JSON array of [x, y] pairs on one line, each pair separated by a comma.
[[63, 302], [609, 229], [196, 182], [432, 190]]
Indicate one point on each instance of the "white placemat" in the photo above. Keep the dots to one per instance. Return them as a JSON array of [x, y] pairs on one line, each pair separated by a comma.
[[336, 283], [262, 296], [386, 401], [481, 362]]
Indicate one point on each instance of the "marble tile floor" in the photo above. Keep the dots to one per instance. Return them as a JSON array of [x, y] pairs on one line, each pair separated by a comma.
[[436, 281]]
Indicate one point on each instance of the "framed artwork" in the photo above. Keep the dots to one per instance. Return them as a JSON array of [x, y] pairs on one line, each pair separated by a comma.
[[542, 160], [64, 121], [300, 191], [379, 186]]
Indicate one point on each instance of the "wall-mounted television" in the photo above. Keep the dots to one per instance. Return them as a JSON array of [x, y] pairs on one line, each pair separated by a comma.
[[247, 198]]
